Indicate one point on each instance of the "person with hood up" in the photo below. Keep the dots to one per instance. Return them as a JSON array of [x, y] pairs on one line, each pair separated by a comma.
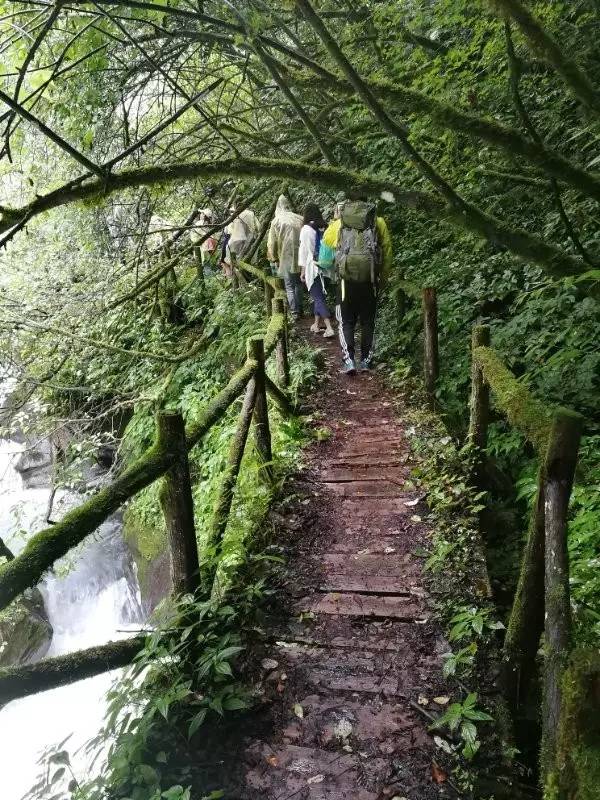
[[308, 254], [239, 235], [282, 251]]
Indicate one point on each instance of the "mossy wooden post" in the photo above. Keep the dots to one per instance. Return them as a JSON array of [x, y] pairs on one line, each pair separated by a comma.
[[576, 769], [269, 293], [178, 506], [561, 461], [526, 620], [431, 353], [281, 351], [234, 460], [262, 433], [480, 392]]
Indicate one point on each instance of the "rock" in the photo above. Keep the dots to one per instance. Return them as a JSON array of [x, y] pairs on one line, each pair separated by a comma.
[[269, 664], [25, 631], [34, 465]]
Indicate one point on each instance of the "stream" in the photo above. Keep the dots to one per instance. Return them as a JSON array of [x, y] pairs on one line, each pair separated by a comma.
[[91, 597]]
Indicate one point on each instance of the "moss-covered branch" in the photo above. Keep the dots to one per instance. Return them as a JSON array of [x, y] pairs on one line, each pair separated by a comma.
[[52, 672], [514, 399], [542, 42], [552, 259]]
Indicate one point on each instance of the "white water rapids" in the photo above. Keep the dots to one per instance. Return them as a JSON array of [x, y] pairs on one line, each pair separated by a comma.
[[91, 599]]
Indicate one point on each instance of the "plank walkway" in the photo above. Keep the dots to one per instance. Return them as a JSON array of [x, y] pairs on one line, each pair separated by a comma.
[[357, 654]]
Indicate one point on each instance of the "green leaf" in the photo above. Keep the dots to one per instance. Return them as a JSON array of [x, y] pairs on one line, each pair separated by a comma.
[[197, 721], [235, 703]]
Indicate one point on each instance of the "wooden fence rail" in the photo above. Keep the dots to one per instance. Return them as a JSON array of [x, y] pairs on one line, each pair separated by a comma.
[[168, 459], [542, 598]]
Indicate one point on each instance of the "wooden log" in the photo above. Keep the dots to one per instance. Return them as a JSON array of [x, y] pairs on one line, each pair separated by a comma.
[[269, 294], [526, 620], [480, 392], [561, 461], [236, 453], [52, 672], [431, 351], [281, 350], [262, 433], [576, 769], [281, 398], [178, 506]]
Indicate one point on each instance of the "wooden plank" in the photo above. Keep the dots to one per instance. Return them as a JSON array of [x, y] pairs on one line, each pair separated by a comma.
[[356, 684], [360, 472], [362, 564], [372, 488], [365, 584], [361, 605]]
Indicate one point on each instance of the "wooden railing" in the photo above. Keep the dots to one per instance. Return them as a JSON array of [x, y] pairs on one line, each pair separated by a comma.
[[542, 599], [168, 459], [431, 359]]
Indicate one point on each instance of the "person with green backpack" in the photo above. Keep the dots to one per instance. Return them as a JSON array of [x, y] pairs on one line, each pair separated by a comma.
[[363, 256]]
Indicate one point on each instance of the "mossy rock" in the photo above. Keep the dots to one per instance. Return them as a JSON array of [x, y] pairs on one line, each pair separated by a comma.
[[576, 773], [25, 631], [146, 537]]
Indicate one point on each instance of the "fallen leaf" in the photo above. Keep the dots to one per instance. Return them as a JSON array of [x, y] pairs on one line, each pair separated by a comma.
[[437, 773], [272, 760], [443, 745], [364, 552], [269, 664], [316, 779], [422, 700], [280, 688], [349, 392], [411, 503], [441, 701], [416, 518], [299, 711], [389, 550]]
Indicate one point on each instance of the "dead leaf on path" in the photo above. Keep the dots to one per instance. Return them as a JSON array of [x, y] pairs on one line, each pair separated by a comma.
[[443, 745], [416, 518], [349, 392], [411, 503], [437, 773], [316, 779], [389, 550], [422, 700], [441, 701], [272, 760], [299, 711]]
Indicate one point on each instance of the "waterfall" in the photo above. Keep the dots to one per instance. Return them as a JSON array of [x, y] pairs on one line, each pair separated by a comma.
[[91, 597]]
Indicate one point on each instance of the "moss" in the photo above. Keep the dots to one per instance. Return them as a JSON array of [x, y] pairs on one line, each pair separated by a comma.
[[576, 772], [514, 399], [146, 535]]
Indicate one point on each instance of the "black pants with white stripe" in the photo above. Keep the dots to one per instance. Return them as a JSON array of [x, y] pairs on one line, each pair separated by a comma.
[[357, 303]]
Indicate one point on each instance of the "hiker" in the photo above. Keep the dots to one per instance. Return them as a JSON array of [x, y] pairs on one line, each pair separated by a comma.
[[239, 235], [310, 274], [363, 256], [282, 251], [204, 222]]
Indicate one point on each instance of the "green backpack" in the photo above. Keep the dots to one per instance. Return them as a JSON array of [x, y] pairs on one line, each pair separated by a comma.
[[357, 255]]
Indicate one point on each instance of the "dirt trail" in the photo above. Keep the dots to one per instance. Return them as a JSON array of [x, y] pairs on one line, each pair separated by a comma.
[[357, 649]]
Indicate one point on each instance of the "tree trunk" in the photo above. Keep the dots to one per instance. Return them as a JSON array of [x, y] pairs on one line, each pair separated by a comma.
[[262, 433], [281, 351], [480, 393]]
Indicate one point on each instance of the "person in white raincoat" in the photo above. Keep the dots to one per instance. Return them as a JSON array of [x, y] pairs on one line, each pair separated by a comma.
[[308, 253], [204, 222], [282, 251], [239, 234]]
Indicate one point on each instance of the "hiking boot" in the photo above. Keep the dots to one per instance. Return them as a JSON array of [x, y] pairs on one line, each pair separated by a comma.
[[314, 328], [364, 366], [349, 367], [329, 334]]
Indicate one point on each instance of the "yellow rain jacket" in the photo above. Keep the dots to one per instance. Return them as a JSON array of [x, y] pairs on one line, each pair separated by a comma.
[[331, 235]]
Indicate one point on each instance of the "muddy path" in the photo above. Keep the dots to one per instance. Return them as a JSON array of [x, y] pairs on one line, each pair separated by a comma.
[[356, 654]]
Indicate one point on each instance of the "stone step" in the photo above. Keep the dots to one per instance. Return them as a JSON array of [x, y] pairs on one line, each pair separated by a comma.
[[361, 605]]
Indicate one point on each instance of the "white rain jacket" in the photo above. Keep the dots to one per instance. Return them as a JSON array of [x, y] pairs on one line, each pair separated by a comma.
[[306, 255], [284, 238], [242, 231]]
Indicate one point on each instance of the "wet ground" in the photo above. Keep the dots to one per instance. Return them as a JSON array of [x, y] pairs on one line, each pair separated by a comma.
[[354, 665]]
